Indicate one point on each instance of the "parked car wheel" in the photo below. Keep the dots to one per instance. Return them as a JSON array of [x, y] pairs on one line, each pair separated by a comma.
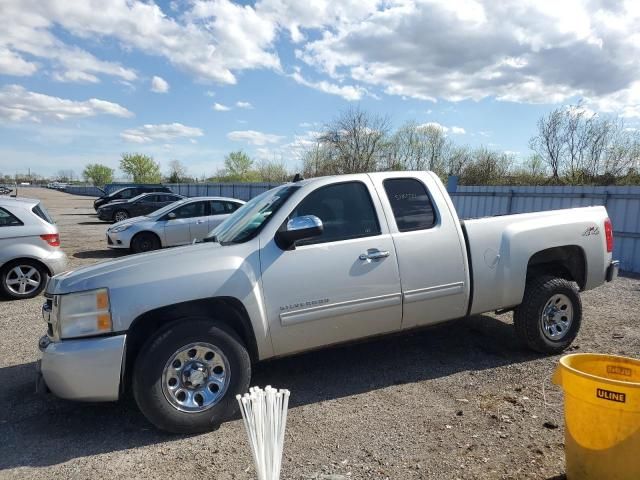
[[145, 242], [187, 376], [120, 215], [549, 317], [23, 279]]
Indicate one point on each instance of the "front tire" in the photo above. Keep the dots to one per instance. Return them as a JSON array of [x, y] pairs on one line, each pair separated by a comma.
[[23, 279], [187, 376], [145, 242], [120, 215], [549, 317]]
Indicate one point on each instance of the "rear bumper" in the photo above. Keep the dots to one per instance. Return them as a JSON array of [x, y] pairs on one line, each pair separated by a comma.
[[84, 369], [612, 271]]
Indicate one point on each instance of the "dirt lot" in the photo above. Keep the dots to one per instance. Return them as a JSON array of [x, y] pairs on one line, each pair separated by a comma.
[[460, 400]]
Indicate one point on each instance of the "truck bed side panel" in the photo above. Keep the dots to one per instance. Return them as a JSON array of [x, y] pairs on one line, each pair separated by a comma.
[[501, 247]]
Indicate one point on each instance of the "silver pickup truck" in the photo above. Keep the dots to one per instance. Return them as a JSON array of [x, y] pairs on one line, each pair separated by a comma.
[[305, 265]]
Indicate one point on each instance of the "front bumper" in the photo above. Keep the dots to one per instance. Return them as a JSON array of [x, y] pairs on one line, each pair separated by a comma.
[[106, 216], [87, 369], [117, 240], [612, 271]]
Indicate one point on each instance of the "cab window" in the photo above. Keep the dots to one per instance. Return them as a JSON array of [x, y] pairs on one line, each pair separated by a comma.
[[345, 209], [411, 204]]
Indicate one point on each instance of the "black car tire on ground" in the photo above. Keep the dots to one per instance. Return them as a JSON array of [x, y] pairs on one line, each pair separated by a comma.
[[145, 242], [120, 215], [529, 317], [152, 362]]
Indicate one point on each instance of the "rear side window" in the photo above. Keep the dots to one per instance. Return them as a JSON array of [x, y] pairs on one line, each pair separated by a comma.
[[126, 194], [8, 220], [40, 211], [411, 204], [346, 211]]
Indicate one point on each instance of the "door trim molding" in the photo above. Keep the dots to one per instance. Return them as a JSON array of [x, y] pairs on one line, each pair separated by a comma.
[[429, 293], [339, 309]]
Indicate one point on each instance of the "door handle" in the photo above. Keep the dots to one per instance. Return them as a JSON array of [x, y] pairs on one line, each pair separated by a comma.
[[374, 254], [199, 221]]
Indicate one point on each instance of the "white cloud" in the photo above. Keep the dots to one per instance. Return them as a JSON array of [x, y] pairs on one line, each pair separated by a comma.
[[520, 50], [348, 92], [13, 64], [210, 93], [18, 104], [163, 132], [245, 105], [218, 107], [159, 85], [253, 137], [458, 130], [453, 129]]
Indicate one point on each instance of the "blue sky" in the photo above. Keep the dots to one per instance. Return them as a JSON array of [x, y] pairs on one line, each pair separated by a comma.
[[194, 80]]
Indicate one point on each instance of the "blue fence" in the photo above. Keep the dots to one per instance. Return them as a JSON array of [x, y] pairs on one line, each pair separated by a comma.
[[622, 203]]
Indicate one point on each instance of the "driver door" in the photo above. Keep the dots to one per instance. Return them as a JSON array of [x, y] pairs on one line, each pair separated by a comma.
[[326, 290]]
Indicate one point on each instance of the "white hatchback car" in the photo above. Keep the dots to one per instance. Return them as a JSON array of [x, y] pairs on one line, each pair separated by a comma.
[[180, 223], [29, 248]]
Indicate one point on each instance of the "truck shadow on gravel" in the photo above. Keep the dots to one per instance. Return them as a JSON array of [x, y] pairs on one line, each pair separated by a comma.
[[41, 431]]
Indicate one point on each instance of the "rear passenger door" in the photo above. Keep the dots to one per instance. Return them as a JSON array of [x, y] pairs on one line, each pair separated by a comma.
[[429, 246]]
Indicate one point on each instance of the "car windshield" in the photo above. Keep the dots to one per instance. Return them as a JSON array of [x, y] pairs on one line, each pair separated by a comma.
[[248, 220], [167, 209], [138, 197]]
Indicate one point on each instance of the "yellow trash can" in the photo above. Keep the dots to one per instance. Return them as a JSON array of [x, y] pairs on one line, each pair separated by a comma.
[[602, 416]]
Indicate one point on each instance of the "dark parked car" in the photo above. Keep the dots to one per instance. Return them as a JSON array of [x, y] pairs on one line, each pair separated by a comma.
[[119, 210], [128, 193]]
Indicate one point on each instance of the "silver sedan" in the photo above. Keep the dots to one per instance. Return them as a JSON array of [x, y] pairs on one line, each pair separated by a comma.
[[180, 223]]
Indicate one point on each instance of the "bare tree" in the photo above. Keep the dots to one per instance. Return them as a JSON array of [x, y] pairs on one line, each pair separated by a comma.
[[549, 142], [177, 172], [357, 139]]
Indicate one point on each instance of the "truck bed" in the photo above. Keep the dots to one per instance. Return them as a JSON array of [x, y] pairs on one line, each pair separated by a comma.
[[500, 249]]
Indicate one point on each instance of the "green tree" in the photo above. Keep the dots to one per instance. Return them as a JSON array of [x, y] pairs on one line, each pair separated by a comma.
[[141, 167], [238, 167], [98, 174]]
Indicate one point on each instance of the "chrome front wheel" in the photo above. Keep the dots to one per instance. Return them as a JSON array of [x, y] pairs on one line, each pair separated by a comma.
[[195, 377], [22, 279], [120, 215]]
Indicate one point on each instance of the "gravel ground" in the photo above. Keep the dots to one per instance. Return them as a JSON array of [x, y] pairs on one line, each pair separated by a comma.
[[459, 400]]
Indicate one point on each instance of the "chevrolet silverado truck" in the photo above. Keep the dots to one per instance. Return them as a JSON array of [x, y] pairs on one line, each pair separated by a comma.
[[308, 264]]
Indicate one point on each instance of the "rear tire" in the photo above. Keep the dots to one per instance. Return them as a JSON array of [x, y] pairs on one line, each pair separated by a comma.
[[22, 279], [145, 242], [163, 377], [549, 317]]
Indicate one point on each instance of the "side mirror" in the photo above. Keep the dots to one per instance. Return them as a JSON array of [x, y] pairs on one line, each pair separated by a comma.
[[299, 228], [171, 215]]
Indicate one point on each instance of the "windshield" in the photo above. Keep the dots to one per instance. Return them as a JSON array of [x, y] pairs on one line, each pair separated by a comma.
[[167, 209], [249, 219], [138, 197]]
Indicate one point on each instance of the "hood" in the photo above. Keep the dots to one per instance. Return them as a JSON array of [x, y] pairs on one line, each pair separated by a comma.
[[129, 221], [134, 268]]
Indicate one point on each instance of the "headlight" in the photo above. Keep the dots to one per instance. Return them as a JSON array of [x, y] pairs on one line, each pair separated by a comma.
[[119, 229], [84, 313]]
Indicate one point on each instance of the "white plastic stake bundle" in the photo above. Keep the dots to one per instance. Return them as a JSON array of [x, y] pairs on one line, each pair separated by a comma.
[[264, 413]]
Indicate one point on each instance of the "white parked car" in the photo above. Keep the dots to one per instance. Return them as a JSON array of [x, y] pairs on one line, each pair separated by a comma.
[[180, 223], [29, 248]]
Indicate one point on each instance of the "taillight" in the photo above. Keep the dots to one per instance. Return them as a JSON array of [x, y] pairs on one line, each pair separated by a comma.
[[53, 239], [608, 234]]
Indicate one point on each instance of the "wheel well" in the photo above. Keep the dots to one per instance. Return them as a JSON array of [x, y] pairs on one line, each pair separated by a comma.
[[28, 259], [228, 311], [567, 262], [147, 232]]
